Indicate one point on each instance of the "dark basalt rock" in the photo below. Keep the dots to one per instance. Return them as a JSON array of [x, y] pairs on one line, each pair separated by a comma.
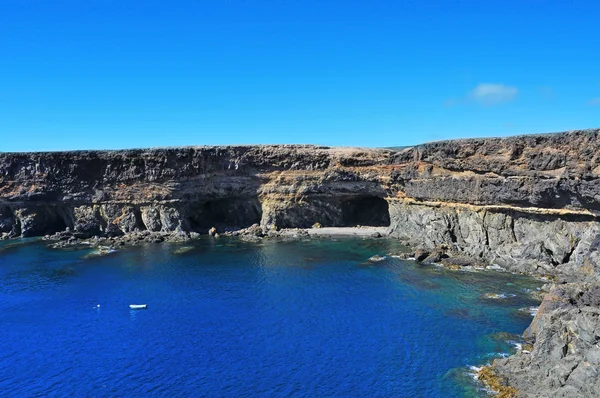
[[459, 261], [565, 360], [421, 254]]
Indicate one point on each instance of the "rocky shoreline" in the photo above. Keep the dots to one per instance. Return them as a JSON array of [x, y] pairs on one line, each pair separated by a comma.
[[562, 357], [529, 205], [69, 238]]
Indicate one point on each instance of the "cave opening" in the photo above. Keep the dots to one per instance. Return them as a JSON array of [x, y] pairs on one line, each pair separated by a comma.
[[42, 220], [370, 211], [225, 214]]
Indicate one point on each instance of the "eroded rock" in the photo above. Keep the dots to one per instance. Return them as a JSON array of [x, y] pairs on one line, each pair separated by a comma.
[[565, 357]]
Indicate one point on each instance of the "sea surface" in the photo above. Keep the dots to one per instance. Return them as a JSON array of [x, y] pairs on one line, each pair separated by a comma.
[[228, 318]]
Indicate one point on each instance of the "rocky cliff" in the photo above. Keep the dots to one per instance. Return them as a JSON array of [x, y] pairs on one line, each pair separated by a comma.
[[529, 204]]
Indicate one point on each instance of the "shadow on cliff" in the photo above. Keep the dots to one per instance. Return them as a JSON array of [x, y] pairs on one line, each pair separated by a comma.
[[224, 214]]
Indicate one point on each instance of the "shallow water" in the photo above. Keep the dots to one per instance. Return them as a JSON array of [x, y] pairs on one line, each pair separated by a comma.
[[228, 318]]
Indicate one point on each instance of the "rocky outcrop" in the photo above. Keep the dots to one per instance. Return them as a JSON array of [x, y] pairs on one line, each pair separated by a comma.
[[529, 204], [565, 359], [558, 245]]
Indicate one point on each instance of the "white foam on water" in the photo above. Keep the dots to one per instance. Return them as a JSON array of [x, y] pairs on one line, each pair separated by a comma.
[[498, 296], [529, 310], [533, 310], [495, 267], [518, 346], [474, 372]]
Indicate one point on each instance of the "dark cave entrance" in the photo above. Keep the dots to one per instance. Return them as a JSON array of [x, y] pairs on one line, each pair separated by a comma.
[[43, 220], [225, 214], [369, 211]]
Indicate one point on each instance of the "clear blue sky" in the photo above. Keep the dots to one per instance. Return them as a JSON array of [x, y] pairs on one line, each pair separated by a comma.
[[118, 74]]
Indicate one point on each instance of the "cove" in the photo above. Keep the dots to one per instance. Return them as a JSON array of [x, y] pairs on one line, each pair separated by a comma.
[[232, 318]]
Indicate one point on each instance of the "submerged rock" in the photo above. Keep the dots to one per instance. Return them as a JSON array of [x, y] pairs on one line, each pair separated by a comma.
[[101, 251], [183, 249]]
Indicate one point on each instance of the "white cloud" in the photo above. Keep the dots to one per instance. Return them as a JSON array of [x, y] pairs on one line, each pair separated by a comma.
[[492, 94], [595, 101]]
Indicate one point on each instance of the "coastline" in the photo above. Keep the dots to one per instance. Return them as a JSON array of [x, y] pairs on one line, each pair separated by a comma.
[[526, 204], [489, 375], [493, 377], [215, 261], [332, 232]]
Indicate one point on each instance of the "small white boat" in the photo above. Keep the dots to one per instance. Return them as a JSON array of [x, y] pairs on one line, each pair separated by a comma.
[[138, 306]]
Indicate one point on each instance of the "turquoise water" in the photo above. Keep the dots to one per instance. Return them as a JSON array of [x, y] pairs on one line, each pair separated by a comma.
[[228, 319]]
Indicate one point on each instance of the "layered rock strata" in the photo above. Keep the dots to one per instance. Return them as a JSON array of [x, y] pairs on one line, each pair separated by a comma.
[[529, 204]]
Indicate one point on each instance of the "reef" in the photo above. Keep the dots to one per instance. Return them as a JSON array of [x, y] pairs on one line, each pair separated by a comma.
[[529, 204]]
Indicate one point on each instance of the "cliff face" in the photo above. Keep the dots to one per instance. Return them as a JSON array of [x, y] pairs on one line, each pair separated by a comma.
[[189, 189], [527, 203], [530, 203]]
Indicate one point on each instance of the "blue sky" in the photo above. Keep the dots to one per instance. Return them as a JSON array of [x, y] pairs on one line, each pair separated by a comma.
[[122, 74]]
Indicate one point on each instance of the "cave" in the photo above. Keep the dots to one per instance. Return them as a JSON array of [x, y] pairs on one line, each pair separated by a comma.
[[42, 220], [225, 214], [366, 211]]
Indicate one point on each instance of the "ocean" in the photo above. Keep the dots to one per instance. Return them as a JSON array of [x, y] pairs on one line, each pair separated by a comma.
[[227, 318]]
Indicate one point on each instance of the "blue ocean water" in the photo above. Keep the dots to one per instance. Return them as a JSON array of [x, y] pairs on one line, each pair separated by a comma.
[[227, 318]]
